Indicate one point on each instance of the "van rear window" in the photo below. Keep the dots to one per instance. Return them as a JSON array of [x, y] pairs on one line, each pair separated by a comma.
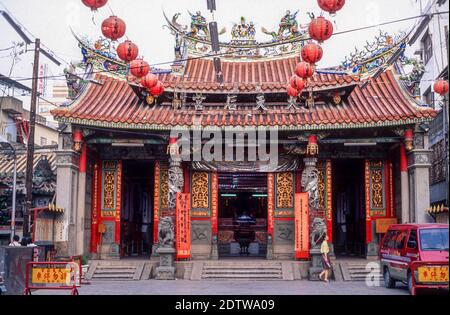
[[434, 239]]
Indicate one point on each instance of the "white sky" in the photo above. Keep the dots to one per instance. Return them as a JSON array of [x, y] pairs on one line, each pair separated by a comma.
[[50, 20]]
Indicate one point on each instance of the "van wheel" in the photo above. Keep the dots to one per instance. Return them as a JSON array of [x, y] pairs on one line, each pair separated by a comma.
[[410, 284], [388, 281]]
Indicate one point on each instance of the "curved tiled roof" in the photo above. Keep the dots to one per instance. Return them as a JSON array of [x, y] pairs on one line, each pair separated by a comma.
[[270, 75], [379, 102]]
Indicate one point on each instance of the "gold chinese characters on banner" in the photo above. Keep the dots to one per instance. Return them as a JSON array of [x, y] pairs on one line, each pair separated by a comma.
[[51, 276]]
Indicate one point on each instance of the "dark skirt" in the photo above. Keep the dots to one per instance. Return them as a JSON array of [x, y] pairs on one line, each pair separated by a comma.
[[326, 262]]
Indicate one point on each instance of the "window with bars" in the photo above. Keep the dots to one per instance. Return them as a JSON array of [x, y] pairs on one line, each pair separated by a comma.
[[428, 97], [427, 46], [437, 173]]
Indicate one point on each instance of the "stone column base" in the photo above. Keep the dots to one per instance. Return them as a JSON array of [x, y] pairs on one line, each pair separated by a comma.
[[215, 249], [166, 269], [372, 249], [316, 266]]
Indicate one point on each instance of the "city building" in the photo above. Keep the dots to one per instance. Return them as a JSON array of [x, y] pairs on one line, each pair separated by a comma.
[[429, 42], [47, 103]]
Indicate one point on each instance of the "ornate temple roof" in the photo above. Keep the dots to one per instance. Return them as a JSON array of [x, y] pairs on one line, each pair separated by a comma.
[[267, 76], [114, 104], [366, 90]]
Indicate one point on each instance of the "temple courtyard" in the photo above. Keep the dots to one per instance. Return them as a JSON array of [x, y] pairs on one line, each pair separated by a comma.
[[235, 288]]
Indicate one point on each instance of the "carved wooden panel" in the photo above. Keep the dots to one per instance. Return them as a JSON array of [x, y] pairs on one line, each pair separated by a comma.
[[109, 188], [375, 188], [285, 186], [164, 189], [200, 190]]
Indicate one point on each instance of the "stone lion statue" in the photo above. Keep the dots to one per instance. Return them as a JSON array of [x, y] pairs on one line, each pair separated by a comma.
[[166, 233], [319, 231]]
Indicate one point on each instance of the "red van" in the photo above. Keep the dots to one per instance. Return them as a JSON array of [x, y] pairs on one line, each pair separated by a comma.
[[421, 249]]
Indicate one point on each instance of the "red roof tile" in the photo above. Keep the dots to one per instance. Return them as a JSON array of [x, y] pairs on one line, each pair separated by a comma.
[[114, 104], [270, 75]]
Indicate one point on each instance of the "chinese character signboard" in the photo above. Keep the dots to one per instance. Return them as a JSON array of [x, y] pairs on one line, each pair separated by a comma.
[[301, 226], [433, 274], [183, 233]]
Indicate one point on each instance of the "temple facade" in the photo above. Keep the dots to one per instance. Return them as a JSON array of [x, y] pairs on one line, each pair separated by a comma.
[[134, 172]]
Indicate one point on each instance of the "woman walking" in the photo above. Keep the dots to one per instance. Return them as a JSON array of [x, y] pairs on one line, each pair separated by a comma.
[[325, 250]]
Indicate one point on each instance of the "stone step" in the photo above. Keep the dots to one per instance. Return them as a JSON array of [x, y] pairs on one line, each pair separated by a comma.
[[115, 271], [242, 267], [112, 277], [115, 267], [246, 272], [243, 277]]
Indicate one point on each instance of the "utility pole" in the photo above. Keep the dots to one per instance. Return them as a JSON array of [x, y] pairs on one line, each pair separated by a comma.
[[30, 148]]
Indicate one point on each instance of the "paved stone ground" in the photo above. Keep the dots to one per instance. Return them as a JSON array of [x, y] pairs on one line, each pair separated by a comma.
[[184, 287]]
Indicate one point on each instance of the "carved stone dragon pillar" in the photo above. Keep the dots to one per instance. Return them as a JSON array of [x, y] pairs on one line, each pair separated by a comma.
[[166, 229]]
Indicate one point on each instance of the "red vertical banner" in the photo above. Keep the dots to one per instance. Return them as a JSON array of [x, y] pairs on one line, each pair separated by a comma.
[[390, 190], [95, 207], [156, 207], [270, 203], [214, 203], [368, 217], [118, 201], [301, 226], [183, 226], [329, 200]]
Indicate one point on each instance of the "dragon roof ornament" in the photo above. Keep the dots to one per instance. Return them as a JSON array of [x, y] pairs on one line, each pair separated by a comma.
[[378, 54], [194, 40]]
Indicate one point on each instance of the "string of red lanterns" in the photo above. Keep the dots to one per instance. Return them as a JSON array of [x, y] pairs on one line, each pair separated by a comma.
[[114, 28], [320, 29]]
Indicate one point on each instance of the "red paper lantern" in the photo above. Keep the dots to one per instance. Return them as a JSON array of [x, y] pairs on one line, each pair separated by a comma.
[[94, 4], [149, 81], [113, 28], [312, 53], [320, 29], [331, 6], [298, 83], [441, 87], [139, 68], [305, 70], [127, 51], [157, 90], [292, 91]]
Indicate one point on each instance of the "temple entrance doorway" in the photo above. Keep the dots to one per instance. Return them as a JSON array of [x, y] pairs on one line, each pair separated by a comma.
[[349, 231], [136, 228], [242, 215]]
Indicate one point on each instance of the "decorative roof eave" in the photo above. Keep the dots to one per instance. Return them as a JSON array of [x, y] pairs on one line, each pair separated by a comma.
[[306, 127], [247, 88]]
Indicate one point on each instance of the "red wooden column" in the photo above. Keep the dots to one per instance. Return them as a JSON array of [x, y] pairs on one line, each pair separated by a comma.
[[404, 183]]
